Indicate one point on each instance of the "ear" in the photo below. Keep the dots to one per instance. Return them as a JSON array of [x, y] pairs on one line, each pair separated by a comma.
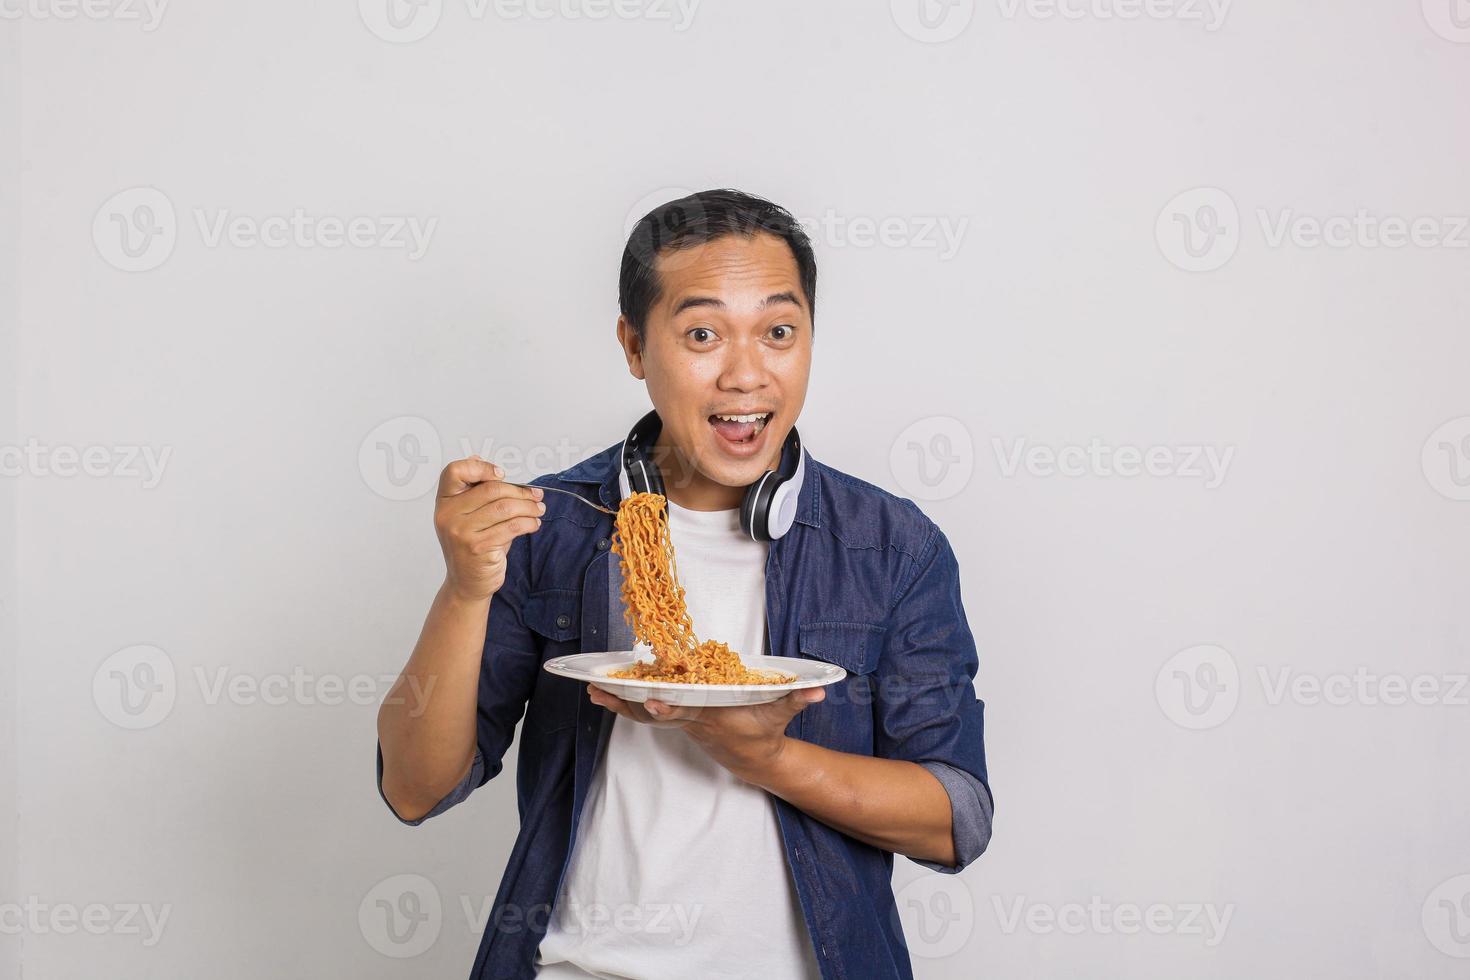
[[632, 347]]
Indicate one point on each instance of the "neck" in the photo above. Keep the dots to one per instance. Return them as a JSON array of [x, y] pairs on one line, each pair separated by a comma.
[[686, 486]]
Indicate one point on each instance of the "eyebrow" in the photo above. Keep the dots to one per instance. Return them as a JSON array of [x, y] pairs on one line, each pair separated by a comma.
[[693, 302]]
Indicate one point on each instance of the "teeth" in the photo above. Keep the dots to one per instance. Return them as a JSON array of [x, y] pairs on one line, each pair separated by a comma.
[[744, 418]]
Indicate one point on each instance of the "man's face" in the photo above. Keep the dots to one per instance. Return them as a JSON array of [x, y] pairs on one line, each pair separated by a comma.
[[730, 335]]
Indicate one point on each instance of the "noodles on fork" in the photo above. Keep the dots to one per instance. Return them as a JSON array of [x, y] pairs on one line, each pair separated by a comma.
[[653, 605]]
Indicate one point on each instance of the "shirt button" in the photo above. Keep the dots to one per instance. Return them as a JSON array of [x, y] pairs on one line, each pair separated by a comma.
[[563, 622], [602, 544]]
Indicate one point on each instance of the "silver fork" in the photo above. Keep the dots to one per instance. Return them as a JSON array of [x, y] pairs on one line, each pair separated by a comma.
[[574, 496]]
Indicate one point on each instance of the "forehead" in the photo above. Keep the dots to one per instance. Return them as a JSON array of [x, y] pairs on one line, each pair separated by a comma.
[[729, 268]]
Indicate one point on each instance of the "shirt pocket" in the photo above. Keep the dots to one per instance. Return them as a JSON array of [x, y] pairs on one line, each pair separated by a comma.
[[555, 614], [844, 719], [554, 617]]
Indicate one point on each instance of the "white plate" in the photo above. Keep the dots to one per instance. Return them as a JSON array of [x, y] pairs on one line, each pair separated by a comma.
[[593, 668]]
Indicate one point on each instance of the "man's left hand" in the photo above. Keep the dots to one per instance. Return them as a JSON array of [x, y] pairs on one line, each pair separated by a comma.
[[746, 739]]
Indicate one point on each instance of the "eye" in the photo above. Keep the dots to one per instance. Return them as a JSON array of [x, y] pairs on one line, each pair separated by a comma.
[[782, 331], [701, 335]]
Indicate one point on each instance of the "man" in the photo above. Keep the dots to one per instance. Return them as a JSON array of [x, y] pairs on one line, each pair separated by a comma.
[[674, 842]]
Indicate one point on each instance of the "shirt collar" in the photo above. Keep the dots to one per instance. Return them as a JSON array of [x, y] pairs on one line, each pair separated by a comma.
[[601, 470]]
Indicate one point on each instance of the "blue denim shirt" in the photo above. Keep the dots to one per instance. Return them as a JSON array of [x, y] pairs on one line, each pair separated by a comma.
[[862, 580]]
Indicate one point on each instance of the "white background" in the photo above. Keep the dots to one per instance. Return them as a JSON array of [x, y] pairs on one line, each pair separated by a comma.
[[1331, 834]]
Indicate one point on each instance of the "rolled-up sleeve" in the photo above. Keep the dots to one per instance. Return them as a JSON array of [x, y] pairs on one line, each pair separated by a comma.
[[926, 710], [472, 779], [970, 809], [508, 667]]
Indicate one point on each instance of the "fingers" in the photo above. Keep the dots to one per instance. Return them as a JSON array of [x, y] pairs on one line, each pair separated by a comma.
[[503, 507], [476, 516], [611, 702], [499, 537], [491, 505], [493, 491], [481, 535], [632, 710], [792, 704], [462, 474], [656, 712], [664, 711]]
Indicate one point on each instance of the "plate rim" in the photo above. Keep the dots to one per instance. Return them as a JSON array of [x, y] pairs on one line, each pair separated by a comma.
[[556, 665]]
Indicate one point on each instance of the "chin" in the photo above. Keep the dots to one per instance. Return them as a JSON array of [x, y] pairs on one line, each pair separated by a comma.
[[740, 476], [725, 472]]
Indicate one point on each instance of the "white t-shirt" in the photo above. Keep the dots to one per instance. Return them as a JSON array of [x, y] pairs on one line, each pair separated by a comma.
[[679, 869]]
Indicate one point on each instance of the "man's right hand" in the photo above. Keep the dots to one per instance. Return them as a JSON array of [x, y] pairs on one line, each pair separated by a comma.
[[476, 516]]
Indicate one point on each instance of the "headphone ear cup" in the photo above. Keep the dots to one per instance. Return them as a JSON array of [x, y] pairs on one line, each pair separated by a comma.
[[781, 513], [656, 481], [639, 473], [641, 476], [747, 514], [769, 506], [755, 509]]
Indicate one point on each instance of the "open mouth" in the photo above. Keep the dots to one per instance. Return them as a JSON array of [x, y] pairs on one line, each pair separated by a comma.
[[740, 429]]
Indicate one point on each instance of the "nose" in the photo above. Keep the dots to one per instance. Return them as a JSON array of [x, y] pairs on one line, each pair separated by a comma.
[[744, 368]]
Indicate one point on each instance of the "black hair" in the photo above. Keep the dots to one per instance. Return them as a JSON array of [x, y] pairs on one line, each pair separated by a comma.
[[694, 220]]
